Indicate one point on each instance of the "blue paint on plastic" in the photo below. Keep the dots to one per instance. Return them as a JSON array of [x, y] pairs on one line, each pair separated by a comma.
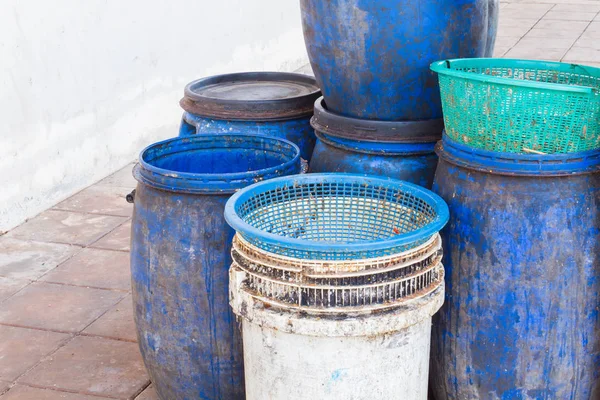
[[510, 163], [411, 162], [522, 258], [180, 257], [371, 57], [296, 130]]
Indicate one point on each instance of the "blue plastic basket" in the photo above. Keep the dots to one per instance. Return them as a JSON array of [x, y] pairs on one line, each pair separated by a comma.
[[336, 216]]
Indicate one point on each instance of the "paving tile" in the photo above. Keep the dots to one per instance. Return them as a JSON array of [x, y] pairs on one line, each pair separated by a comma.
[[92, 365], [116, 240], [121, 178], [10, 286], [524, 11], [513, 31], [97, 268], [66, 227], [106, 200], [593, 27], [21, 349], [570, 16], [21, 392], [117, 323], [148, 394], [589, 40], [505, 41], [535, 54], [499, 51], [579, 26], [569, 2], [583, 55], [574, 7], [22, 259], [515, 23], [4, 387], [57, 307], [552, 34], [546, 43]]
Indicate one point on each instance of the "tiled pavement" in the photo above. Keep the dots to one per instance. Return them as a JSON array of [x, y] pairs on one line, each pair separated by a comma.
[[559, 30], [66, 318], [66, 328]]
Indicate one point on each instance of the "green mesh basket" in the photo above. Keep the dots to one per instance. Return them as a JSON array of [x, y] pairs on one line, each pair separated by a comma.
[[521, 106]]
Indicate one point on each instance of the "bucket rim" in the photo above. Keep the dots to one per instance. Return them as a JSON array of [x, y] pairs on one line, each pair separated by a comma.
[[246, 230], [216, 183]]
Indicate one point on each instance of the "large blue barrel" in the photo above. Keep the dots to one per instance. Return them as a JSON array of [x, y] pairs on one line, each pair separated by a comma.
[[180, 256], [371, 57], [522, 258], [400, 150], [268, 103]]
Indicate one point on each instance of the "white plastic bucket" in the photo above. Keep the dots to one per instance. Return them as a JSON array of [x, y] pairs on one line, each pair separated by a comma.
[[296, 356]]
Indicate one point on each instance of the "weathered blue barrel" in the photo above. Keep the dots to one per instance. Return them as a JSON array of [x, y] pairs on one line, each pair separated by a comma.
[[267, 103], [401, 150], [180, 256], [371, 57], [522, 258]]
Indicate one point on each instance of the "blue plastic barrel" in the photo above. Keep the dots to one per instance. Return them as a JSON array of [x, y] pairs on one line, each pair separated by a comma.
[[268, 103], [400, 150], [522, 258], [371, 57], [180, 256]]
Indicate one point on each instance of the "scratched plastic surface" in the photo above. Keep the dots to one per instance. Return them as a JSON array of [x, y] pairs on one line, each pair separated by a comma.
[[371, 57], [180, 256], [297, 130], [415, 163], [522, 259]]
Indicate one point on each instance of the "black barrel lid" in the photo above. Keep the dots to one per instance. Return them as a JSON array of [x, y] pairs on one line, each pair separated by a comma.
[[367, 130], [252, 96]]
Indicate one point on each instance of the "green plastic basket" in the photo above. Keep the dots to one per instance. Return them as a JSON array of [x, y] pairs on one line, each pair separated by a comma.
[[521, 106]]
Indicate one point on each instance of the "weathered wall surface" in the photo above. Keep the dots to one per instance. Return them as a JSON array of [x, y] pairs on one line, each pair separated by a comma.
[[84, 85]]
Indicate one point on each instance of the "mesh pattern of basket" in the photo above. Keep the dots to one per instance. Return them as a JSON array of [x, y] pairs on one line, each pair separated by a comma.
[[367, 285], [521, 106], [336, 216]]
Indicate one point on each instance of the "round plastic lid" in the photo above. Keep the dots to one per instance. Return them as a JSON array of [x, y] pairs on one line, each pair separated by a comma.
[[252, 96]]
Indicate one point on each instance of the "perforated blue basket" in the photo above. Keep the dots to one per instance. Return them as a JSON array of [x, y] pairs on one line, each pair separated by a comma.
[[336, 216]]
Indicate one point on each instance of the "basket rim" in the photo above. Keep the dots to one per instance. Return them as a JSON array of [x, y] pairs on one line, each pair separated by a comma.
[[443, 68], [242, 227]]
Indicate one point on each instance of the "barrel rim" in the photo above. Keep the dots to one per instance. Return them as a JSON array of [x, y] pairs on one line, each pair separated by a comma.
[[222, 183], [251, 110], [377, 148], [515, 164], [245, 229], [366, 130]]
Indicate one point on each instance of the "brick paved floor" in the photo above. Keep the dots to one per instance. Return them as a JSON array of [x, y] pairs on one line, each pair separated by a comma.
[[66, 328], [66, 319]]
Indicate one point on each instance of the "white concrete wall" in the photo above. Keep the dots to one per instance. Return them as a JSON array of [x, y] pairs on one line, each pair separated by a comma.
[[86, 84]]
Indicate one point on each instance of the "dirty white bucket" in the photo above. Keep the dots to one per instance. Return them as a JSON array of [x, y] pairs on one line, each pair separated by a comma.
[[301, 353], [335, 279]]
